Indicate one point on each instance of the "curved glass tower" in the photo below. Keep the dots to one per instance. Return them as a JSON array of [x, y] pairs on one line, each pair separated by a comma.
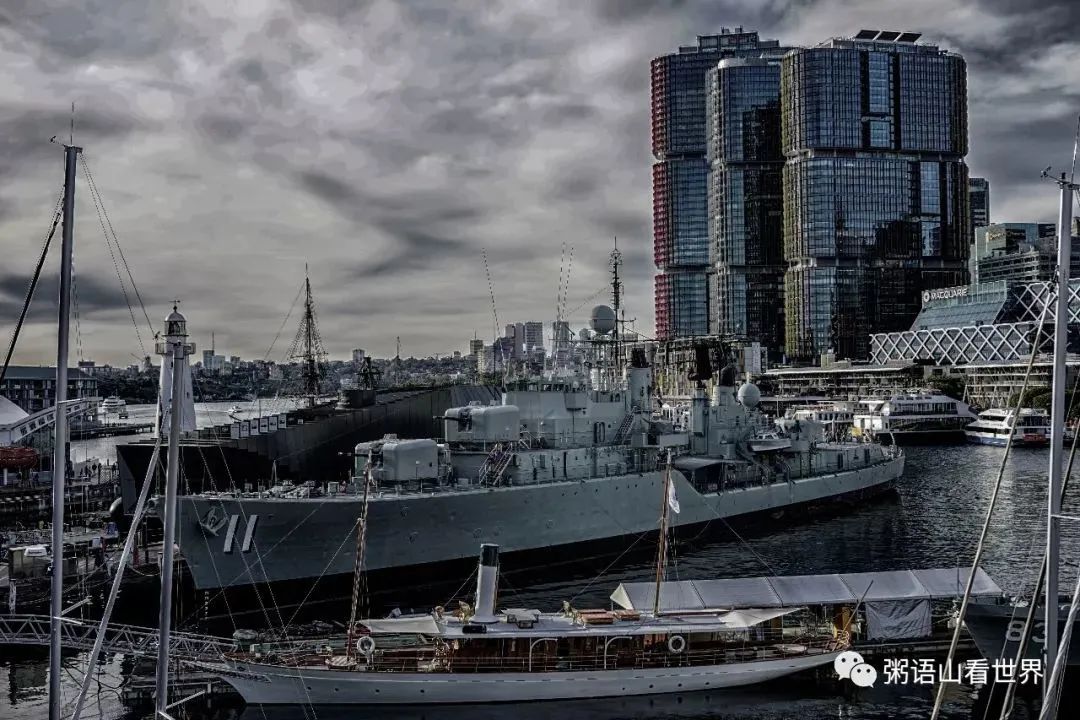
[[681, 245], [874, 132]]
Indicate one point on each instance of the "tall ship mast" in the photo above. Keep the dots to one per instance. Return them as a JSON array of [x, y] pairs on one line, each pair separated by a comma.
[[307, 347]]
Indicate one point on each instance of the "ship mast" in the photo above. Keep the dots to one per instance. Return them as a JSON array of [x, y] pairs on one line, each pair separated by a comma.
[[616, 297], [307, 346], [661, 548], [358, 566], [59, 470]]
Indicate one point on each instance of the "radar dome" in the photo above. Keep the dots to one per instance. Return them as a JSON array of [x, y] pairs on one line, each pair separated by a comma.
[[602, 319], [749, 395]]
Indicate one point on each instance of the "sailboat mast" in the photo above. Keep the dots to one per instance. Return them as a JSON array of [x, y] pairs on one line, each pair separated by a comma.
[[358, 567], [1057, 423], [59, 471], [661, 548]]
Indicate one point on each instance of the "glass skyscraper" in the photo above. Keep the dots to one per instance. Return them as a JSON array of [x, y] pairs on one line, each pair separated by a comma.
[[746, 200], [979, 202], [874, 131], [681, 244]]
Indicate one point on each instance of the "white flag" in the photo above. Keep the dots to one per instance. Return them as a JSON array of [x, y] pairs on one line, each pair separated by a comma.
[[672, 498]]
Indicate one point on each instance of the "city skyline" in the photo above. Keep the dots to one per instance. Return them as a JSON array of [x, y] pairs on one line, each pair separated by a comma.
[[228, 159]]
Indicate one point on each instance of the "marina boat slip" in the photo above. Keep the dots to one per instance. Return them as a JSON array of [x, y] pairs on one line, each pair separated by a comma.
[[1029, 428], [561, 469], [913, 419], [481, 655]]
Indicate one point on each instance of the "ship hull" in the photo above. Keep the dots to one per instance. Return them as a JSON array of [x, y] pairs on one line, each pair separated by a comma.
[[270, 685], [997, 629], [269, 540], [985, 438]]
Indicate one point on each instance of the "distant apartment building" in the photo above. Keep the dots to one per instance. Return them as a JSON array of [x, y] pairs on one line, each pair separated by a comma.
[[978, 203], [874, 131], [34, 388], [358, 356], [681, 245]]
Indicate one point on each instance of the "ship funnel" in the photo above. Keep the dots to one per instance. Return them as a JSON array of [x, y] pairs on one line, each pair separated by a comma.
[[487, 582]]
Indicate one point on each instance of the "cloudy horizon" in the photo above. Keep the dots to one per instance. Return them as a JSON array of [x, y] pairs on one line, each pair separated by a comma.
[[385, 144]]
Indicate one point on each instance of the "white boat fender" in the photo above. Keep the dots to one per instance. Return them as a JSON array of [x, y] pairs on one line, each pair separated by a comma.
[[676, 644], [366, 646]]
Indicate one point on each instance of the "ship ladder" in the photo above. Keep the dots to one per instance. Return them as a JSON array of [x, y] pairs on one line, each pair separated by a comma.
[[624, 429]]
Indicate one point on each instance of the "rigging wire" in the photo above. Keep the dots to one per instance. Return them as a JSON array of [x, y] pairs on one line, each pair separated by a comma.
[[940, 695], [1040, 578], [116, 265], [284, 322], [57, 215], [97, 193]]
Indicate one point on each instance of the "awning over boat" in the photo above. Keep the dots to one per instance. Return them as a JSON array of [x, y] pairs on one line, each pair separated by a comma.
[[424, 625], [674, 595], [754, 616], [831, 589]]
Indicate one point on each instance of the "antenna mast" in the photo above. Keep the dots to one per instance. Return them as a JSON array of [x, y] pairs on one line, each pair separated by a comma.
[[616, 297]]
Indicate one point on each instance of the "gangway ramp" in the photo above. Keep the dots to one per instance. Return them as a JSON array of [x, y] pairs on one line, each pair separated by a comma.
[[126, 639]]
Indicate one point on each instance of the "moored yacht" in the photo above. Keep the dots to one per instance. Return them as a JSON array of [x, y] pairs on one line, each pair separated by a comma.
[[482, 655], [916, 418], [1030, 428]]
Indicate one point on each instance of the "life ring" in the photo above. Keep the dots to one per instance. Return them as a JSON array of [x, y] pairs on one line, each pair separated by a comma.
[[676, 644], [365, 646]]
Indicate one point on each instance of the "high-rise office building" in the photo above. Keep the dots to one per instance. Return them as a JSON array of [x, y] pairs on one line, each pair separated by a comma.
[[746, 167], [875, 187], [978, 203], [534, 336], [680, 178]]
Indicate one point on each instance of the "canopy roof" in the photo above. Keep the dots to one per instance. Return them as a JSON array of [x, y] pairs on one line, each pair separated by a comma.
[[554, 625], [792, 590]]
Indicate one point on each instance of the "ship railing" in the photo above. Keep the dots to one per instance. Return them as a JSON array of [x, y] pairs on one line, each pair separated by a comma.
[[614, 657]]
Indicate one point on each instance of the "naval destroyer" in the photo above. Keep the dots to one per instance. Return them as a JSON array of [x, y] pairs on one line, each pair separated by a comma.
[[560, 468]]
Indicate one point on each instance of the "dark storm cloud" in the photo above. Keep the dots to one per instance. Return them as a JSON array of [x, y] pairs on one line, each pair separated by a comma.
[[386, 143], [90, 297], [25, 134]]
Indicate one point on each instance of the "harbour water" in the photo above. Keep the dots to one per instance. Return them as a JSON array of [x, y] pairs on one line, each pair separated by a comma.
[[933, 520]]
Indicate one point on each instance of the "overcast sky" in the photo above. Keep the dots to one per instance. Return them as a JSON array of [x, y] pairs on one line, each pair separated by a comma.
[[385, 144]]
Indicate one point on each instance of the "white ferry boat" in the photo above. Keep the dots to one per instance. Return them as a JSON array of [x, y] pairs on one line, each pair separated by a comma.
[[113, 405], [917, 418], [1030, 428]]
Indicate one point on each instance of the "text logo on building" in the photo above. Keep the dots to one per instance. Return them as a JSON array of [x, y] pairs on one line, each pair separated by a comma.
[[944, 293]]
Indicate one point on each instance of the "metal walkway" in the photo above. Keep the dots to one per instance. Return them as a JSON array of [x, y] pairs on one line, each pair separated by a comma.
[[126, 639]]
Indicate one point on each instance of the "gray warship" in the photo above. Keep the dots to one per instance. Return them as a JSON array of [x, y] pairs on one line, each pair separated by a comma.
[[561, 467]]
